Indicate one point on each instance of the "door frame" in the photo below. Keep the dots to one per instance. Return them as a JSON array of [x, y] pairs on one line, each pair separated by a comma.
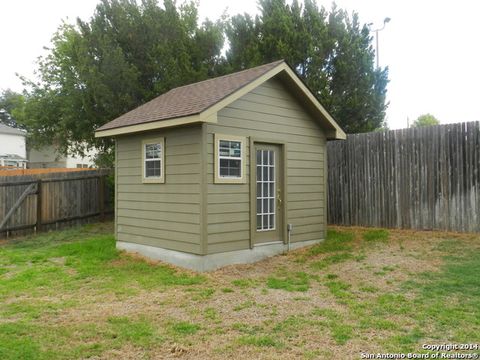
[[253, 187]]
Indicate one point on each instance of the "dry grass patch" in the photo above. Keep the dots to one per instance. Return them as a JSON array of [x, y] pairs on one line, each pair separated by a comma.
[[73, 295]]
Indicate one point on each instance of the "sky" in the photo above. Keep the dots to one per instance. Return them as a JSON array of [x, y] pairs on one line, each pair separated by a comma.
[[432, 48]]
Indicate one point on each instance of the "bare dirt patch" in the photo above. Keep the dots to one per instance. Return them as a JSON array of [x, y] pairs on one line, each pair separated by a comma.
[[234, 313]]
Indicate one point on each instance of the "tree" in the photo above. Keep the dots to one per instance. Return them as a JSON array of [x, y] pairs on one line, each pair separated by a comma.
[[124, 56], [10, 101], [130, 52], [331, 51], [425, 120]]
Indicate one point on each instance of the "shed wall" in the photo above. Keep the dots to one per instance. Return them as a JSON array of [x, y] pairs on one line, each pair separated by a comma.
[[162, 215], [268, 112]]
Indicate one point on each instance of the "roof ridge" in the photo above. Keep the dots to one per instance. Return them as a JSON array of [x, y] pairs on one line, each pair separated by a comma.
[[208, 80], [227, 75], [190, 99]]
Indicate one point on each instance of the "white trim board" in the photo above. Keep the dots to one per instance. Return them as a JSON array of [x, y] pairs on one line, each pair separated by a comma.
[[209, 115]]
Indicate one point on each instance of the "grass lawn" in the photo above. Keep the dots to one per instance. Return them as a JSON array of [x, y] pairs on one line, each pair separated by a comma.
[[70, 294]]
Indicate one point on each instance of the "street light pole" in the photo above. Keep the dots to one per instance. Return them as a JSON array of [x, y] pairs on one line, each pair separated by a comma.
[[385, 21]]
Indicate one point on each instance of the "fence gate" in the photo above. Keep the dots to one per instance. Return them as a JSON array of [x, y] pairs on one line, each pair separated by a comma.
[[53, 200]]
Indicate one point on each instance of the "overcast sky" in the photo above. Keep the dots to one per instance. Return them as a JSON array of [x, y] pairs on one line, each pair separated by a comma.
[[432, 48]]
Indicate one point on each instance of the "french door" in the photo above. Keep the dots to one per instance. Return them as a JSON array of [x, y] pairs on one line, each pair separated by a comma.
[[268, 225]]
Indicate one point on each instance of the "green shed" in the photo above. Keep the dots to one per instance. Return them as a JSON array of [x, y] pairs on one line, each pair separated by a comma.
[[224, 171]]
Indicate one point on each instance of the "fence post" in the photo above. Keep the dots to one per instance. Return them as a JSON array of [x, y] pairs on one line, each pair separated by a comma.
[[39, 206], [101, 197]]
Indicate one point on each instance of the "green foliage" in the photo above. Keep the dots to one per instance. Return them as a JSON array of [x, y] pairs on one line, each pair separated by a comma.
[[326, 313], [380, 235], [247, 328], [245, 305], [335, 241], [16, 342], [64, 274], [291, 325], [292, 282], [407, 341], [339, 330], [389, 303], [69, 259], [331, 51], [260, 341], [10, 102], [203, 294], [377, 323], [368, 289], [184, 328], [459, 277], [425, 120], [341, 333], [245, 283], [130, 52], [105, 159], [333, 259], [338, 289], [125, 55], [140, 332], [211, 314]]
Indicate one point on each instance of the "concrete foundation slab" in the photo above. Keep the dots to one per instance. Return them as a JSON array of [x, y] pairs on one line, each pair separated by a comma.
[[212, 261]]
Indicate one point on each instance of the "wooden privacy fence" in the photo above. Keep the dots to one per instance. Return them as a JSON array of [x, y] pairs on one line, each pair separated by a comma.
[[12, 171], [52, 200], [420, 178]]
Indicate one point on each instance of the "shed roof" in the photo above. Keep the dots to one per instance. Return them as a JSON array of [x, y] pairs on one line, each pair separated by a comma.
[[4, 129], [198, 102]]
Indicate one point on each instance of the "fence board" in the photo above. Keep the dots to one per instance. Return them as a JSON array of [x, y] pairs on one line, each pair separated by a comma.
[[67, 198], [420, 178]]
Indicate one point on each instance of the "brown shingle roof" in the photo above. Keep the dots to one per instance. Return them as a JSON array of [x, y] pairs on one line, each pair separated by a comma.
[[189, 99]]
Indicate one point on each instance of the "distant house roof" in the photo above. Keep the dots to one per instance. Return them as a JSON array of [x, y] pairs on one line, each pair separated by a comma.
[[12, 157], [4, 129], [197, 102]]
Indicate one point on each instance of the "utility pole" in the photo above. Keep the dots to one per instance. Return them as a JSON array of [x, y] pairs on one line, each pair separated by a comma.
[[385, 21]]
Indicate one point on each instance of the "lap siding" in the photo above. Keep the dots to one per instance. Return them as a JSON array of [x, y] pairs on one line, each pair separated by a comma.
[[268, 112], [162, 215]]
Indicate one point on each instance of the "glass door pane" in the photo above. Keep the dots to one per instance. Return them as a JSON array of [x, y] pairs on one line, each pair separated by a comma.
[[265, 190]]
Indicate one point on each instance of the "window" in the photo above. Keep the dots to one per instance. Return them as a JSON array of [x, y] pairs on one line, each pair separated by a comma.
[[229, 159], [153, 161], [153, 152]]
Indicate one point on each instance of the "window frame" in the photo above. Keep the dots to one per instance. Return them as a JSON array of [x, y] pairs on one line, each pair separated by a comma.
[[228, 179], [158, 179]]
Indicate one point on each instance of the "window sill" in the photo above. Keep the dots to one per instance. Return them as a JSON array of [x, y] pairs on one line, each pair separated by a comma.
[[153, 181], [230, 181]]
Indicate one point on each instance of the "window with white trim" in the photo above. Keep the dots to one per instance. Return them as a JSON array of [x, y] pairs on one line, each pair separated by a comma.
[[153, 160], [230, 158], [229, 152]]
